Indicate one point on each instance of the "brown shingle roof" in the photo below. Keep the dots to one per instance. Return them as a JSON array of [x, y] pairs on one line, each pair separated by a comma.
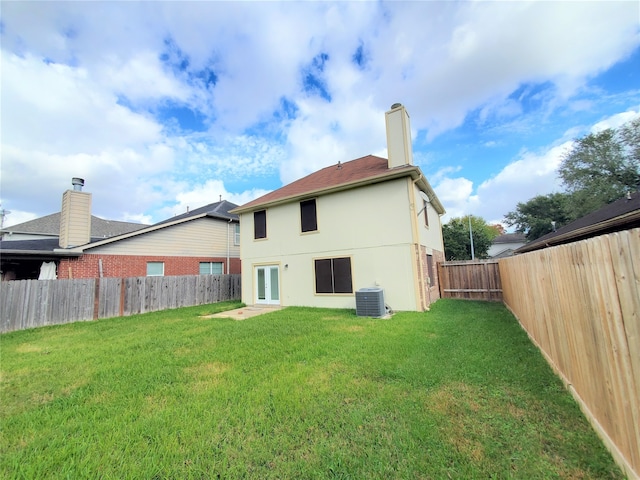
[[337, 176]]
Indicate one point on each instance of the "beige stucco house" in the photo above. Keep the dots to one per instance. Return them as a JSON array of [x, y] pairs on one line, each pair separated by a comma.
[[369, 222]]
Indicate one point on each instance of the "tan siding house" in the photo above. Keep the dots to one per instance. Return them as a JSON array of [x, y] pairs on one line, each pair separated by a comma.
[[358, 224], [201, 237], [205, 240]]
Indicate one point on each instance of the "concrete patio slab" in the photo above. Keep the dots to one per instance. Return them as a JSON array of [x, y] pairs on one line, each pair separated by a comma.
[[245, 312]]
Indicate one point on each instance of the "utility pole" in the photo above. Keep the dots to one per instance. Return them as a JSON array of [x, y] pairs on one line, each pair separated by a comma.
[[3, 214]]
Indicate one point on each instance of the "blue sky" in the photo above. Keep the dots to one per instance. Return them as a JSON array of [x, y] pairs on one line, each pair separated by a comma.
[[164, 105]]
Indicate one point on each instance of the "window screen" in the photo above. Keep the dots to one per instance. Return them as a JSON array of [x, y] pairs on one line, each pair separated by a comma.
[[308, 217], [333, 275], [260, 224], [236, 240]]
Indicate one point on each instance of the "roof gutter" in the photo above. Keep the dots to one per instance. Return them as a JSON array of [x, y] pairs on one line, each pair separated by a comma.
[[423, 183], [40, 253]]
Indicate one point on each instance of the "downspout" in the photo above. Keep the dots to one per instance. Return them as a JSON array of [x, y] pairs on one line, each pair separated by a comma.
[[228, 246], [420, 287]]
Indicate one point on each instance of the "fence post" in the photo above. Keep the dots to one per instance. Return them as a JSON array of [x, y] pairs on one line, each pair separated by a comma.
[[122, 290]]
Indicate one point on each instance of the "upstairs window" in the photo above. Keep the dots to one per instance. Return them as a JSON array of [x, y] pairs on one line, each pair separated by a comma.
[[236, 238], [308, 218], [260, 224], [333, 275], [426, 213]]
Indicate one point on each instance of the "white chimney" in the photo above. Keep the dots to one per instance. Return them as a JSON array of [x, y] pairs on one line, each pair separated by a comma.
[[75, 216], [398, 136]]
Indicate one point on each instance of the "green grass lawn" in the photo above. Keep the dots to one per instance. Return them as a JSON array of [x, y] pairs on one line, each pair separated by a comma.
[[457, 392]]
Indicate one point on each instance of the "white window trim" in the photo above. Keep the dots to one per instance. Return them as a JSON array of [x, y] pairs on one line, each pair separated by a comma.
[[210, 265], [236, 234]]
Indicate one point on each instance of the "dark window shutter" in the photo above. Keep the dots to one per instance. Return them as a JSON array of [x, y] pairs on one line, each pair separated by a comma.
[[342, 275], [260, 224], [324, 282], [308, 217]]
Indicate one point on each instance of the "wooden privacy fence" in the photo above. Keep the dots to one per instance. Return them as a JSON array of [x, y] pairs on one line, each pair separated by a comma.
[[471, 280], [580, 304], [34, 303]]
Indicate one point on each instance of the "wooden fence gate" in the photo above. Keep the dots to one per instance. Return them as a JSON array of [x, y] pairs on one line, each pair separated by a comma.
[[471, 280]]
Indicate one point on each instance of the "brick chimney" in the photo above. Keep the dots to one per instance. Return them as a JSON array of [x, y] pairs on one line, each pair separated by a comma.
[[398, 136], [75, 216]]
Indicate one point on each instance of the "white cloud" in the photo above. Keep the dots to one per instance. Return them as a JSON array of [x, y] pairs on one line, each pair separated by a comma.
[[59, 109], [209, 192], [82, 82], [616, 120], [529, 175], [15, 217], [324, 134], [456, 196], [140, 78]]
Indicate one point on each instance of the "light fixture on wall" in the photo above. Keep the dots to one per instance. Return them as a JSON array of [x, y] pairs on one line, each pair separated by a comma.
[[286, 265]]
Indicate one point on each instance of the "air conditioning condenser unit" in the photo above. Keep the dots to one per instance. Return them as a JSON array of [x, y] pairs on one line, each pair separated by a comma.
[[370, 302]]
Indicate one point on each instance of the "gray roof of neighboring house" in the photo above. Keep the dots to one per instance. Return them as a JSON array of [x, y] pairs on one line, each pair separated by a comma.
[[219, 210], [33, 248], [510, 238], [215, 210], [622, 214], [50, 225]]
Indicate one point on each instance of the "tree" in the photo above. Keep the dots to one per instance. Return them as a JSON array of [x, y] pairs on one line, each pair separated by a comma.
[[601, 167], [540, 215], [457, 243]]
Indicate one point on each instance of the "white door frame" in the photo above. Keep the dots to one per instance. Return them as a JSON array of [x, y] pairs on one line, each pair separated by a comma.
[[267, 284]]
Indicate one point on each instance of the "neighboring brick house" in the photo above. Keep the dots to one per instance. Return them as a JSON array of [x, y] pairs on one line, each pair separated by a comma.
[[366, 223], [202, 241]]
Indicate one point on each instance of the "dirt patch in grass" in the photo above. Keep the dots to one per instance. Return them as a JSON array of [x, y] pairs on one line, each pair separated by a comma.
[[207, 375], [29, 348], [350, 328], [183, 352], [321, 378], [465, 410]]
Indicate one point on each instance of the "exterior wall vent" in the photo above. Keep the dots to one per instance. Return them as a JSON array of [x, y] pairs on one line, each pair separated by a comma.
[[370, 302]]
